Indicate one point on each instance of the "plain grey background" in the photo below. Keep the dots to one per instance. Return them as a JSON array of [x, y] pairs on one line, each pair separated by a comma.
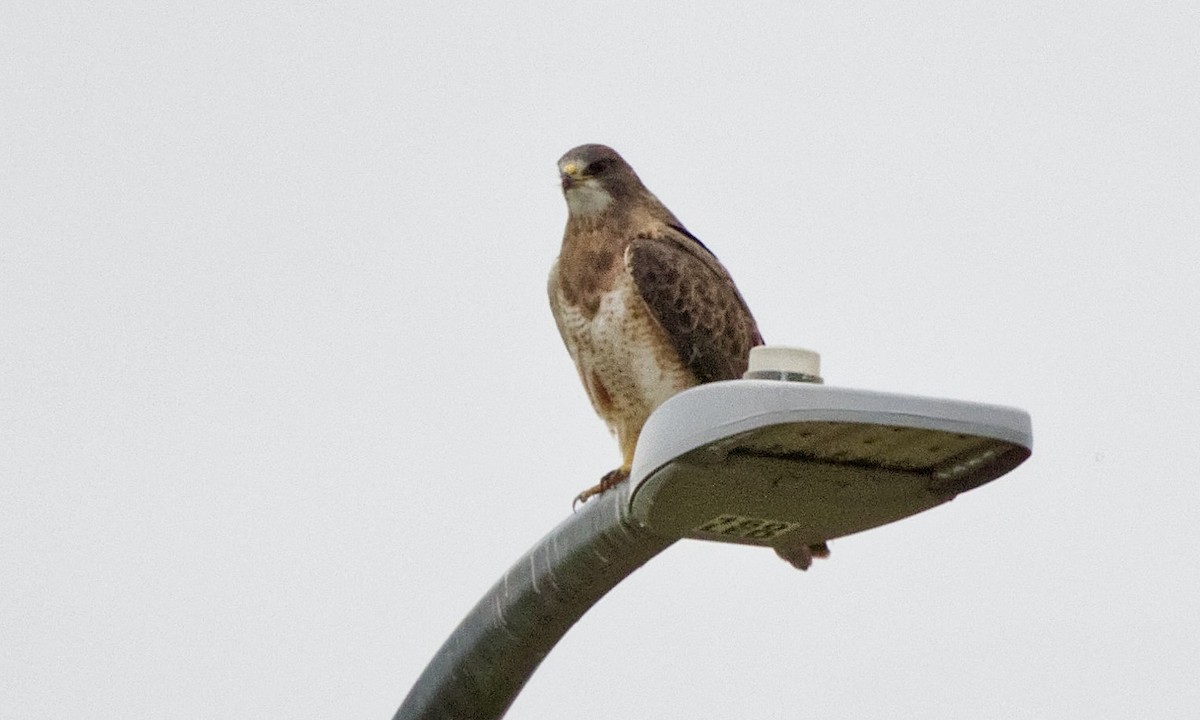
[[281, 396]]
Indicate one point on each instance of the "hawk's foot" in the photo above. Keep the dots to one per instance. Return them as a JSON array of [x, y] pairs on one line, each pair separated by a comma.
[[610, 480]]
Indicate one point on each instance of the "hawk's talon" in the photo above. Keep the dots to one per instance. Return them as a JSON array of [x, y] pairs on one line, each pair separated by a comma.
[[610, 480]]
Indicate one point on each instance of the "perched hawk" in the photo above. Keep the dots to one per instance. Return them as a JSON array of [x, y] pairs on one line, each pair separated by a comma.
[[642, 305]]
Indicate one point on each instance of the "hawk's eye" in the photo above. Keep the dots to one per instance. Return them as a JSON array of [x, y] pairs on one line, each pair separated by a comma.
[[597, 167]]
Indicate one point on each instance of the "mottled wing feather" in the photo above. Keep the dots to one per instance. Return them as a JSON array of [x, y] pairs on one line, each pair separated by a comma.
[[695, 302]]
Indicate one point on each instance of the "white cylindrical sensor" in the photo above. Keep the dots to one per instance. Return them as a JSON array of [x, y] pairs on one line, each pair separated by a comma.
[[779, 362]]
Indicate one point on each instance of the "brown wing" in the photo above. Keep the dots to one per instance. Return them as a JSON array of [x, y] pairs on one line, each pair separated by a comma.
[[693, 298]]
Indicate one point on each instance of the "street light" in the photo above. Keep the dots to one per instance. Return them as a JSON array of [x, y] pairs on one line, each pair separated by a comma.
[[754, 461]]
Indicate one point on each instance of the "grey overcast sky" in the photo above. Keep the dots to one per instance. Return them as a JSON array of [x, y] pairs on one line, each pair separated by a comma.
[[281, 396]]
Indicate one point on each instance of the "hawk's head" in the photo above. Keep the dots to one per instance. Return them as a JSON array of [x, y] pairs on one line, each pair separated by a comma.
[[593, 176]]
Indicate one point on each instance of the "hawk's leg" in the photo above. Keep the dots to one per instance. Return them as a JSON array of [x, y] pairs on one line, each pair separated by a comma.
[[628, 442]]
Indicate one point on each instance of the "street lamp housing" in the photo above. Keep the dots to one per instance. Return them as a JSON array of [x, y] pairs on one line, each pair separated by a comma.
[[778, 463]]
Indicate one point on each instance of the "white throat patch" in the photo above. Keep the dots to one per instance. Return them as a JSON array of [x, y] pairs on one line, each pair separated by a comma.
[[587, 198]]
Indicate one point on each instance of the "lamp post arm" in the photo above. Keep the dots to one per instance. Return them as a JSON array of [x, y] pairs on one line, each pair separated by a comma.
[[499, 644]]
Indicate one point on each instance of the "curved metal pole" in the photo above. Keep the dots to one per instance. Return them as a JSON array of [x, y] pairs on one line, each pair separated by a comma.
[[497, 647]]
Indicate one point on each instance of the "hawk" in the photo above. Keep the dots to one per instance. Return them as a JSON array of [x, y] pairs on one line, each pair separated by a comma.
[[644, 308]]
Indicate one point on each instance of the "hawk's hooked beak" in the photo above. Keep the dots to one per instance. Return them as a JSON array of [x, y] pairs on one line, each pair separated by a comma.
[[583, 192], [570, 175]]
